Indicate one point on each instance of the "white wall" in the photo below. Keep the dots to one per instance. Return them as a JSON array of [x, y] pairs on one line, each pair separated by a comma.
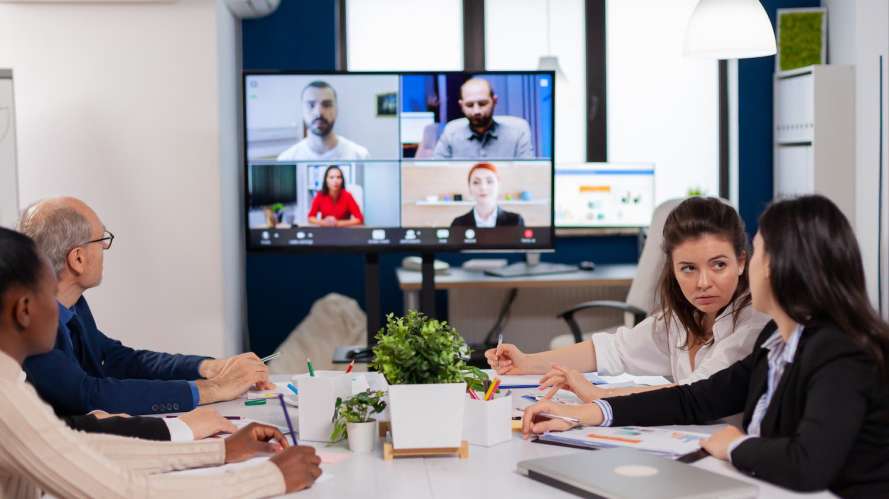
[[858, 33], [231, 168], [120, 105]]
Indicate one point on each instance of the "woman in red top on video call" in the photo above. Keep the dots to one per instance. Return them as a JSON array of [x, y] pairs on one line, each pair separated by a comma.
[[334, 206]]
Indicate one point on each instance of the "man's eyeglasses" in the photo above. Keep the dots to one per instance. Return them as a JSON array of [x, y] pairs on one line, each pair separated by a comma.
[[106, 240]]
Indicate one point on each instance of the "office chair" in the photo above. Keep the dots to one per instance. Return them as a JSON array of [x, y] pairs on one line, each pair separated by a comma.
[[642, 297]]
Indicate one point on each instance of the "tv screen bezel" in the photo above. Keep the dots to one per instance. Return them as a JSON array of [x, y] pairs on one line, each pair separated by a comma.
[[395, 246]]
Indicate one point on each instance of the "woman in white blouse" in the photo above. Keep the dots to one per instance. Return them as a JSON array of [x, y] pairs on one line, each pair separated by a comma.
[[705, 322]]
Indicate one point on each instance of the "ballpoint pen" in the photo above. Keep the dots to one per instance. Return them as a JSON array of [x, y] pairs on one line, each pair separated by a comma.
[[270, 357]]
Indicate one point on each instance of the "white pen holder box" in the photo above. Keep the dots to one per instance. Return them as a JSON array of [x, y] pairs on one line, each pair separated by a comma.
[[317, 398], [488, 423]]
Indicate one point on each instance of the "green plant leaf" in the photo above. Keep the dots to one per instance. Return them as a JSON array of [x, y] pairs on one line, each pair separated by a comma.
[[415, 349], [356, 409]]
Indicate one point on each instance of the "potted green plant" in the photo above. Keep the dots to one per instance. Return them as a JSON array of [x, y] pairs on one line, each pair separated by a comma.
[[352, 417], [424, 361]]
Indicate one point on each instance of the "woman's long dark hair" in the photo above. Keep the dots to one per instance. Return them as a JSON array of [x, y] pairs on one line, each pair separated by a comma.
[[324, 188], [816, 272], [692, 219]]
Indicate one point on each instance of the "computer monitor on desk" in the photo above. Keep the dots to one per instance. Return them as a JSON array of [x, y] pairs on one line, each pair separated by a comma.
[[604, 195]]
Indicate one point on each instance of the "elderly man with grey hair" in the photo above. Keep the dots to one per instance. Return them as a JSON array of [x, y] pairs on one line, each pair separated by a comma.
[[87, 370]]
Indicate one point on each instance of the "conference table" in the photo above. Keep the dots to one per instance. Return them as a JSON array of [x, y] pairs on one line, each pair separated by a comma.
[[488, 473]]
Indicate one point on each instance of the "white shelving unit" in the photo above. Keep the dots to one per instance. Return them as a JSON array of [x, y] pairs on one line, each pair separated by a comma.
[[814, 135], [9, 199]]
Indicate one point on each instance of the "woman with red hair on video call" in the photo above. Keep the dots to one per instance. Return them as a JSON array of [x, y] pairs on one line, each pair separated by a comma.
[[484, 187]]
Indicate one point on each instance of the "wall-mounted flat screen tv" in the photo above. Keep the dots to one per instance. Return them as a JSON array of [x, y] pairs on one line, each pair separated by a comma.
[[435, 161]]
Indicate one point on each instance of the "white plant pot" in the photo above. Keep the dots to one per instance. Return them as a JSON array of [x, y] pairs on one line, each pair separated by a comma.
[[427, 416], [362, 436]]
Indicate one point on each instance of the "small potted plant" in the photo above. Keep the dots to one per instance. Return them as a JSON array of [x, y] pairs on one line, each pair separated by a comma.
[[352, 417], [424, 361]]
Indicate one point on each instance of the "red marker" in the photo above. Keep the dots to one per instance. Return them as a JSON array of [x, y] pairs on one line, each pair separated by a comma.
[[351, 365]]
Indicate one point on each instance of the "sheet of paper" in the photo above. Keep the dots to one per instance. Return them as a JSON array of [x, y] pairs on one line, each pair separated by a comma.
[[527, 379], [280, 387], [240, 423], [332, 457], [628, 380], [617, 381]]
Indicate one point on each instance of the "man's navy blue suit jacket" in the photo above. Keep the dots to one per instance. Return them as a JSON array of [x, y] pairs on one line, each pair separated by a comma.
[[88, 370]]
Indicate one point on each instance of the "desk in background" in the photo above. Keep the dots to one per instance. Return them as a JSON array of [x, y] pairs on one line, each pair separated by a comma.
[[489, 473], [474, 300]]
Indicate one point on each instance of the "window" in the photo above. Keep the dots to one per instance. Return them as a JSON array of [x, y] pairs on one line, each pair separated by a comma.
[[517, 34], [662, 106], [383, 35]]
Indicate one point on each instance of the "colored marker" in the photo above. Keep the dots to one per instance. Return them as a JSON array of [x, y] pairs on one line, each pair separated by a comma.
[[287, 417], [472, 394], [351, 365], [293, 388], [311, 369], [616, 439], [255, 402], [492, 389]]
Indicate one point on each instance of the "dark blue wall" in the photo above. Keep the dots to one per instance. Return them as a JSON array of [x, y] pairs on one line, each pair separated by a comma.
[[281, 287], [755, 186]]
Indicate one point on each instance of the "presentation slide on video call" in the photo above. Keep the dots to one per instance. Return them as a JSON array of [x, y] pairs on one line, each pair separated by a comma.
[[374, 160]]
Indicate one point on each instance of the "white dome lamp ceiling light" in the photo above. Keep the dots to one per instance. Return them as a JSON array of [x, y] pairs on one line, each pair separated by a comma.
[[549, 61], [729, 29], [252, 9]]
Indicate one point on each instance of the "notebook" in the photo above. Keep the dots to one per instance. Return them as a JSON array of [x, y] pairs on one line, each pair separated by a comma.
[[662, 442]]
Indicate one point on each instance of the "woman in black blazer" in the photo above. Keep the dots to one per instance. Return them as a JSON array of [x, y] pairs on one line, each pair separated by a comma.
[[815, 390], [484, 188]]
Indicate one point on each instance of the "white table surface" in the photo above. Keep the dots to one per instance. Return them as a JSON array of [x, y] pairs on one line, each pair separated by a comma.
[[489, 473]]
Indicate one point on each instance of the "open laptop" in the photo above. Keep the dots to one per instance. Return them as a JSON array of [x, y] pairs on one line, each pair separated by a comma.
[[627, 473]]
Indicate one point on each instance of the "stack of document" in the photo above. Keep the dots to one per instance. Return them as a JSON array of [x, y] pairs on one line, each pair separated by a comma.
[[662, 442]]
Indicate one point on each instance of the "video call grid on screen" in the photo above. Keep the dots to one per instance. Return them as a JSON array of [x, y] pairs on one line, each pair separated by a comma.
[[443, 161]]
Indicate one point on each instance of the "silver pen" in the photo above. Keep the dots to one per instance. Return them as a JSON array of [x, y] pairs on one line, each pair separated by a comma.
[[271, 357]]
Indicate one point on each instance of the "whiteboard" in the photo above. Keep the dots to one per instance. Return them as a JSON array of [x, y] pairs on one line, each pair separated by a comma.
[[9, 198]]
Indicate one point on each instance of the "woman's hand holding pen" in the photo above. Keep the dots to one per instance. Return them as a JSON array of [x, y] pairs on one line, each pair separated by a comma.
[[508, 359], [537, 418], [570, 379]]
